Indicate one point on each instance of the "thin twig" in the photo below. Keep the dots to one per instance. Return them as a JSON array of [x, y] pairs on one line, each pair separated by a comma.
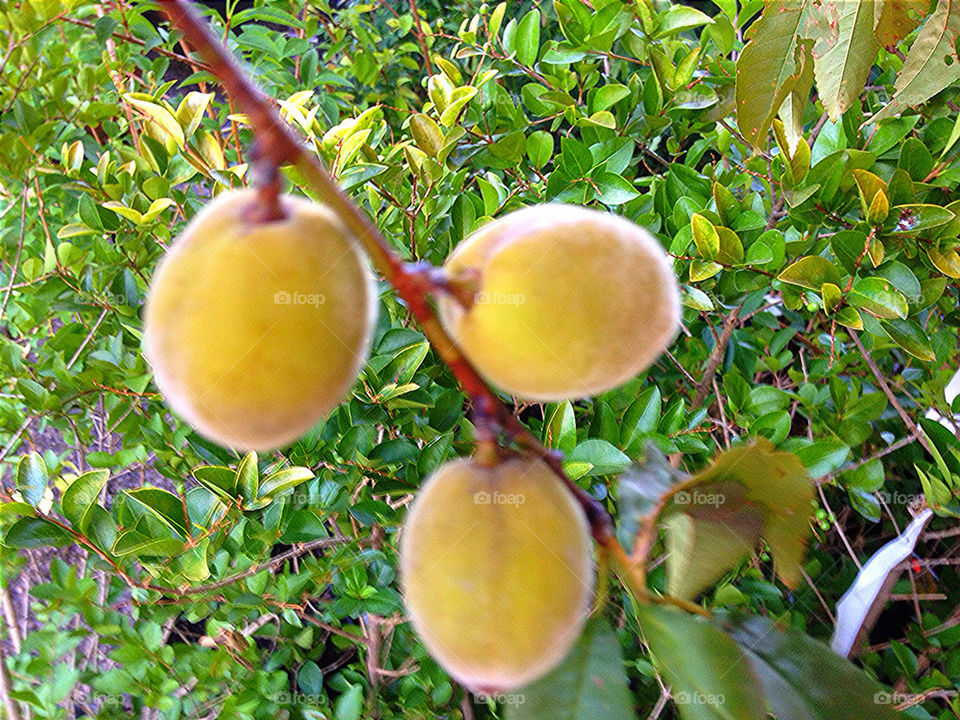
[[716, 357], [881, 381]]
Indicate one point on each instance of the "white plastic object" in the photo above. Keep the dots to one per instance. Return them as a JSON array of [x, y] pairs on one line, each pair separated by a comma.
[[856, 602]]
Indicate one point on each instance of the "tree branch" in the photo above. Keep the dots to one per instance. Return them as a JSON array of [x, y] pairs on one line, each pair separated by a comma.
[[278, 144]]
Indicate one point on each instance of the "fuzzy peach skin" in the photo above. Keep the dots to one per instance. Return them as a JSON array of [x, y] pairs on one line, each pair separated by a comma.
[[255, 331], [497, 571], [570, 302]]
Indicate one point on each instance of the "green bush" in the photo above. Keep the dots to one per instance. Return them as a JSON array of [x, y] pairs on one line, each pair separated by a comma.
[[800, 167]]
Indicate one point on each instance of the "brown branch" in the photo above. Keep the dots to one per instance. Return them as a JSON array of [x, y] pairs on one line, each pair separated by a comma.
[[418, 33], [278, 144], [881, 381], [716, 357]]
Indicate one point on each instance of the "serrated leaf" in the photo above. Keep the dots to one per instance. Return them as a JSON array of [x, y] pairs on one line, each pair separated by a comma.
[[773, 481], [81, 496], [701, 550], [897, 19], [771, 65], [590, 684]]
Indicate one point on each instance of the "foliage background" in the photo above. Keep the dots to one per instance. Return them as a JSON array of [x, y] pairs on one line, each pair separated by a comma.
[[111, 139]]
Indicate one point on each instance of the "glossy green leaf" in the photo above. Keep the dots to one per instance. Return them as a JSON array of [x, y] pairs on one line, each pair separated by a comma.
[[78, 499]]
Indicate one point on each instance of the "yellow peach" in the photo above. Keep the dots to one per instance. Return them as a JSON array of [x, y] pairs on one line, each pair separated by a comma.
[[497, 571], [568, 301], [256, 329]]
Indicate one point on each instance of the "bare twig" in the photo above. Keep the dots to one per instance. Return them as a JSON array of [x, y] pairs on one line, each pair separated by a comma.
[[716, 357], [885, 386]]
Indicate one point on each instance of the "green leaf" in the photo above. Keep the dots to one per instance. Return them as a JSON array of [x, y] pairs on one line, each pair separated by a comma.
[[604, 458], [528, 38], [590, 684], [709, 675], [349, 705], [32, 478], [248, 477], [284, 480], [947, 262], [160, 504], [701, 550], [540, 148], [682, 17], [427, 134], [932, 63], [639, 490], [220, 480], [190, 111], [803, 679], [878, 296], [843, 55], [609, 95], [134, 542], [911, 337], [81, 496], [705, 236], [811, 272], [897, 19], [161, 118], [32, 532]]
